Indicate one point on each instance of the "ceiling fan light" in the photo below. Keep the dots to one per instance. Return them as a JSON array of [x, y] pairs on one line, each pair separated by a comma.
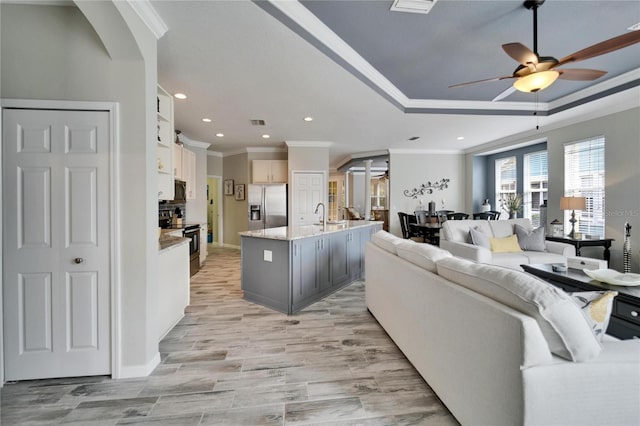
[[536, 81]]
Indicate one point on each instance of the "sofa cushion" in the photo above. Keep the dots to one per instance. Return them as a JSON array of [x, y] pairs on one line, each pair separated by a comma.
[[504, 228], [423, 255], [560, 320], [479, 238], [532, 241], [596, 307], [505, 245], [458, 230], [387, 241]]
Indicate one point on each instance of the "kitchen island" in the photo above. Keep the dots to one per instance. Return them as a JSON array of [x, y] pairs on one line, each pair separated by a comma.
[[289, 268]]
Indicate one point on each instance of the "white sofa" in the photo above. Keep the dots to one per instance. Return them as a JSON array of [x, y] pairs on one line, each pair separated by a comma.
[[454, 237], [489, 363]]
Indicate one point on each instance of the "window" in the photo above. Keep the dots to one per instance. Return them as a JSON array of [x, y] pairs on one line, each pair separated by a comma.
[[535, 185], [584, 177], [506, 179], [378, 193]]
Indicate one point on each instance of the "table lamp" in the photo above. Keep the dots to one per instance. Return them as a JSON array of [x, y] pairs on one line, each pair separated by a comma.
[[573, 204]]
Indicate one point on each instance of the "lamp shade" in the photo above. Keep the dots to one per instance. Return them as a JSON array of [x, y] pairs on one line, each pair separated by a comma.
[[536, 81], [573, 203]]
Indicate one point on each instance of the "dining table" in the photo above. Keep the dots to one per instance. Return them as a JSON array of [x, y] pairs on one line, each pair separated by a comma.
[[429, 231]]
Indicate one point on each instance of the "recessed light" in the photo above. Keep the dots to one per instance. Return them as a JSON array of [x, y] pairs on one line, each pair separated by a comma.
[[460, 138], [180, 96], [206, 120], [265, 136], [219, 135], [308, 119]]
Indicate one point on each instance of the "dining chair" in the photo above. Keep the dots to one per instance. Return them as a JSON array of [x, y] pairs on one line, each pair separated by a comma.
[[490, 215], [457, 216], [404, 224]]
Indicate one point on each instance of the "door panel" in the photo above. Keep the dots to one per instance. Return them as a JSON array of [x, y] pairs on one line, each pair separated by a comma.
[[34, 207], [56, 265], [81, 194], [34, 320], [308, 190]]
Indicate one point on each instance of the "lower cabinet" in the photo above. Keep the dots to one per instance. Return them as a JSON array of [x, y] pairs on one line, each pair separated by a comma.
[[288, 275]]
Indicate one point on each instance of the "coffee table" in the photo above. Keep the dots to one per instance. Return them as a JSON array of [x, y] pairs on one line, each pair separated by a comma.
[[625, 318]]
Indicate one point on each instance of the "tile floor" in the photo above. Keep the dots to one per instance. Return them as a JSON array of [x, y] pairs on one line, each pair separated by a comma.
[[231, 362]]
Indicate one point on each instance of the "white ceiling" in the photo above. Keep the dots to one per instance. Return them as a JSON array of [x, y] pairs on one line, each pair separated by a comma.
[[236, 62]]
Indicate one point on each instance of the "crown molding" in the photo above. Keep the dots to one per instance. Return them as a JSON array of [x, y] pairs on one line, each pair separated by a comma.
[[149, 16], [265, 149], [303, 17], [301, 20], [424, 151], [309, 144], [234, 152], [196, 144], [215, 154]]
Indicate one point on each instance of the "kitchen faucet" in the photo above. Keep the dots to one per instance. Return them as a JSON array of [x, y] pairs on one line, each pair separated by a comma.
[[324, 215]]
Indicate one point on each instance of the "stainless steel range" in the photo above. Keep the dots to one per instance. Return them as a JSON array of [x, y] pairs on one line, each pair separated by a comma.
[[193, 233]]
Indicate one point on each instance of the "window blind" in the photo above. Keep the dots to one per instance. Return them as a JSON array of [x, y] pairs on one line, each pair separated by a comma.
[[584, 177]]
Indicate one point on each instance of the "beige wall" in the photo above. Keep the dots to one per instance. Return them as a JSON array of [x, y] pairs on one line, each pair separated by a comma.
[[235, 167], [214, 165], [53, 53], [410, 170]]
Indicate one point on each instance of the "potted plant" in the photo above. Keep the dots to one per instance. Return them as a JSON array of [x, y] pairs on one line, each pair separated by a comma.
[[512, 203]]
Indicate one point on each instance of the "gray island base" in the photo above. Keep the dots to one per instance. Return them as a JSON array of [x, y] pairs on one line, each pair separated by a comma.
[[289, 268]]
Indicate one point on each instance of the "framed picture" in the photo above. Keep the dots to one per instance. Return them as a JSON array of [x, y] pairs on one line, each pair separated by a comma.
[[228, 187], [240, 192]]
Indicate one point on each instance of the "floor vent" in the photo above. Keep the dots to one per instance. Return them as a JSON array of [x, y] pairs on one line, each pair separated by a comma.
[[257, 122], [412, 6]]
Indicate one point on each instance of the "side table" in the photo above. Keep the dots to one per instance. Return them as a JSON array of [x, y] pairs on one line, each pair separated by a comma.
[[578, 244], [625, 318]]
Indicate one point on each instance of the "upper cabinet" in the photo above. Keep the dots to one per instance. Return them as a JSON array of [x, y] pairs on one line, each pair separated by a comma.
[[165, 144], [270, 171], [189, 172], [177, 162]]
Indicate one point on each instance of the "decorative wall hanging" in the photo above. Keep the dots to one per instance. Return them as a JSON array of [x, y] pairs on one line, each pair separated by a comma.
[[228, 187], [239, 192], [427, 188]]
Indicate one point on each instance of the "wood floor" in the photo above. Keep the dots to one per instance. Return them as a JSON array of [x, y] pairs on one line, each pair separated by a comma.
[[231, 362]]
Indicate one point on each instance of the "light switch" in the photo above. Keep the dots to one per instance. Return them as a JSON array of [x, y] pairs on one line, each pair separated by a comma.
[[268, 256]]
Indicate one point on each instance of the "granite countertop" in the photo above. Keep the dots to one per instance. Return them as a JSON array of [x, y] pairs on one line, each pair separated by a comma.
[[167, 242], [306, 231]]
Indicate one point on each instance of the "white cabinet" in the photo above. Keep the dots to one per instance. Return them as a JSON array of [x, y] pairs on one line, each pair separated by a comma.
[[164, 144], [177, 162], [269, 171], [189, 172]]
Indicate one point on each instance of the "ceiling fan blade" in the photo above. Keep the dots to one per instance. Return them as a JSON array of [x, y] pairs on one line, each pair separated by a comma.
[[482, 81], [580, 74], [603, 47], [520, 53], [504, 94]]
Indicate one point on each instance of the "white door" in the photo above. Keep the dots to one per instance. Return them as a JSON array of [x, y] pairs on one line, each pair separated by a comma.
[[308, 190], [56, 243]]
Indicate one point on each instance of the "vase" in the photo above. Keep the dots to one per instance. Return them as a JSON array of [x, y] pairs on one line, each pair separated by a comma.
[[486, 206], [512, 215]]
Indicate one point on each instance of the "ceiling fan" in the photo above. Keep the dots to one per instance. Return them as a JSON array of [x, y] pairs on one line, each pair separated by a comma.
[[537, 72]]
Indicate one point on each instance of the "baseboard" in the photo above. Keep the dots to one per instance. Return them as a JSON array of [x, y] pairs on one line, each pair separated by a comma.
[[127, 372]]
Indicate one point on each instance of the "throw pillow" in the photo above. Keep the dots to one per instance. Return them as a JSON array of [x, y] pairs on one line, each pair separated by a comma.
[[532, 241], [479, 238], [505, 245], [596, 307]]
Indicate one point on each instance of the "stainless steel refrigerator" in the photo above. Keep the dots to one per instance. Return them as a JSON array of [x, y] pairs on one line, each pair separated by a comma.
[[267, 206]]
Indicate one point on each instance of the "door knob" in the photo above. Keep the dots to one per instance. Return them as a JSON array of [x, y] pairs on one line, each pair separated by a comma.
[[78, 260]]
